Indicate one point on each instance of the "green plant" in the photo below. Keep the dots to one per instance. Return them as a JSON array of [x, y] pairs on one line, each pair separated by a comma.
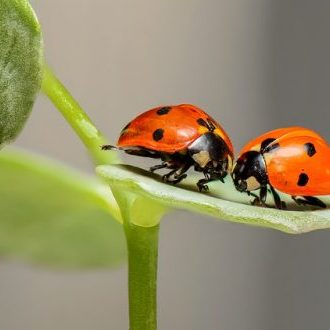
[[67, 219]]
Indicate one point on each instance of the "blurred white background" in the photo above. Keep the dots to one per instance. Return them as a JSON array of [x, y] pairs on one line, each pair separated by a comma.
[[254, 65]]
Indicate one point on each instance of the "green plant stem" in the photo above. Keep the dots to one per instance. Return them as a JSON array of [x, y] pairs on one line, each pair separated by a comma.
[[77, 118], [142, 243]]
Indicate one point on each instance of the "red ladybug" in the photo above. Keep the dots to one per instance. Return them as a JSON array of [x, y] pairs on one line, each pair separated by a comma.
[[293, 160], [181, 136]]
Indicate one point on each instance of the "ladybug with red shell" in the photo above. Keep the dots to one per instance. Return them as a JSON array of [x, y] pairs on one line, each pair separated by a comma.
[[293, 160], [182, 136]]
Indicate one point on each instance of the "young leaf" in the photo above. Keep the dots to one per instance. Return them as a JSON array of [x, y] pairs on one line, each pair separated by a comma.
[[20, 65], [214, 203], [54, 216]]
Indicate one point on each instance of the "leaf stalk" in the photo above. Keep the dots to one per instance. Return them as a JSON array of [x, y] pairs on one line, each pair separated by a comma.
[[77, 118]]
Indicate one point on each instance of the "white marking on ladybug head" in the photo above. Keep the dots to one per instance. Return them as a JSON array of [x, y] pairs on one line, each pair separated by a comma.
[[202, 158], [252, 183]]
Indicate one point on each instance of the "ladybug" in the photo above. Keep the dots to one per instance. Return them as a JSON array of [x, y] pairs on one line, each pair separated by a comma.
[[293, 160], [181, 136]]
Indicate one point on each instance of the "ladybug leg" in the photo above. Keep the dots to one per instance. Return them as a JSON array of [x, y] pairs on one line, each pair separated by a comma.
[[158, 167], [178, 174], [315, 201], [168, 177], [202, 184], [277, 200], [256, 201], [263, 195], [261, 199], [249, 193], [309, 200]]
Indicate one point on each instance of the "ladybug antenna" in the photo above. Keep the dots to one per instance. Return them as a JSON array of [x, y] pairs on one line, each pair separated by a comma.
[[109, 147]]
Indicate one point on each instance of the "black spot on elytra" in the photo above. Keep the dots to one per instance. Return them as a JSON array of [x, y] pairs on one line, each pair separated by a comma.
[[266, 142], [310, 149], [163, 111], [202, 122], [267, 145], [158, 134], [206, 123], [302, 180]]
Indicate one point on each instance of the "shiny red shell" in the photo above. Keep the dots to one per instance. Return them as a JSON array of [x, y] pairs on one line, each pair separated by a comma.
[[169, 129], [286, 132], [298, 161]]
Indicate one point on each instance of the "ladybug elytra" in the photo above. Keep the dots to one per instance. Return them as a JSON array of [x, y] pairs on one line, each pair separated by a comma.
[[182, 136], [293, 160]]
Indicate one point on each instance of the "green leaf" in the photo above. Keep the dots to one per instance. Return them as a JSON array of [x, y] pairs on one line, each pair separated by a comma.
[[219, 202], [20, 65], [55, 216]]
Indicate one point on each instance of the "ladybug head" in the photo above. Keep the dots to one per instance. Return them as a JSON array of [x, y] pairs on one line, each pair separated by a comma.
[[249, 172], [211, 155]]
